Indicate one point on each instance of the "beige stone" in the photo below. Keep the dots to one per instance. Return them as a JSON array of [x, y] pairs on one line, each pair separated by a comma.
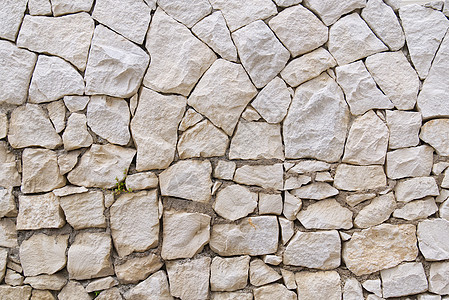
[[141, 181], [292, 205], [84, 210], [270, 204], [404, 128], [419, 209], [296, 182], [67, 161], [137, 268], [56, 113], [409, 162], [101, 284], [322, 285], [224, 170], [433, 133], [377, 212], [356, 178], [15, 293], [53, 282], [437, 278], [42, 295], [287, 229], [432, 238], [405, 279], [416, 188], [315, 191], [331, 11], [235, 202], [261, 274], [39, 211], [76, 103], [154, 287], [13, 278], [8, 233], [308, 166], [266, 176], [355, 199], [325, 214], [352, 289], [76, 135], [229, 274], [191, 117], [110, 294], [7, 203], [274, 291], [3, 262], [73, 289]]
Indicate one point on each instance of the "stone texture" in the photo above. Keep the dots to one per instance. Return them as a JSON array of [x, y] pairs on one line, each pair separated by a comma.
[[232, 295], [224, 170], [261, 53], [373, 286], [229, 274], [3, 261], [433, 133], [419, 209], [409, 162], [235, 202], [68, 36], [169, 44], [42, 295], [322, 284], [317, 250], [138, 268], [154, 287], [3, 125], [56, 113], [62, 7], [73, 289], [16, 68], [292, 205], [84, 210], [89, 256], [355, 199], [331, 11], [356, 178], [317, 121], [352, 289], [17, 292], [76, 103], [141, 181], [360, 89], [67, 161], [431, 244], [189, 280], [11, 15], [191, 118], [315, 191], [270, 204], [415, 188], [377, 212], [251, 236], [43, 254], [40, 171], [424, 30], [404, 128], [380, 247], [326, 214], [101, 284], [351, 39], [76, 135], [53, 282], [184, 234], [7, 203], [101, 165], [299, 30], [189, 179], [9, 175], [8, 233], [22, 128], [438, 278], [116, 66], [186, 12], [276, 291], [296, 182], [39, 211], [261, 274], [13, 278], [39, 7], [308, 166], [266, 176], [403, 280]]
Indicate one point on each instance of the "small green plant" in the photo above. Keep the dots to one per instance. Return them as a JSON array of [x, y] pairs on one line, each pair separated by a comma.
[[120, 186], [96, 293]]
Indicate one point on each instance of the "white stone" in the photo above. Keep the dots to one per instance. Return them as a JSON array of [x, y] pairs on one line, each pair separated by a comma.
[[68, 36], [185, 11], [288, 278], [252, 236], [307, 66], [403, 280], [229, 274], [184, 234], [9, 175], [191, 118], [360, 89], [84, 210], [377, 212], [23, 124], [285, 3], [154, 287], [187, 179], [11, 15], [444, 210], [384, 23], [67, 161], [380, 247], [7, 203], [439, 272], [415, 188], [47, 282], [373, 286], [299, 30], [154, 129], [427, 296], [39, 211], [295, 182], [317, 121], [355, 199], [116, 66], [270, 204], [433, 133], [213, 31], [261, 274], [224, 170], [62, 7], [137, 268], [266, 176], [331, 11], [321, 285], [238, 14], [352, 290], [89, 256], [351, 39], [3, 261], [419, 209], [357, 178], [222, 94], [445, 182], [235, 202], [73, 289], [324, 177], [76, 135], [8, 233], [39, 7], [109, 118], [141, 181], [56, 113], [292, 205], [13, 278], [272, 259], [101, 165], [432, 238], [178, 58], [17, 292], [308, 166], [101, 284], [444, 195], [202, 140], [439, 167], [76, 103], [315, 191], [325, 214], [3, 125], [394, 4], [424, 30], [189, 280], [16, 68], [250, 114], [43, 254], [274, 291], [261, 53], [409, 162], [316, 250], [404, 128]]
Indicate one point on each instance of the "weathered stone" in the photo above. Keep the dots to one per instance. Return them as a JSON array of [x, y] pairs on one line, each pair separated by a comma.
[[67, 161], [13, 278], [274, 291], [416, 188], [355, 199], [62, 7], [7, 203], [238, 14], [380, 247], [9, 175], [261, 274], [8, 233], [235, 202], [186, 12], [299, 30], [326, 214], [439, 167], [331, 11], [101, 284], [39, 211], [317, 250], [68, 37], [224, 170], [42, 295], [76, 103], [213, 31], [403, 280], [189, 280], [373, 286], [141, 181], [191, 118], [73, 289], [154, 129], [188, 179], [316, 191], [250, 114], [22, 128], [136, 269], [322, 285], [285, 3], [84, 210], [445, 182], [39, 7], [431, 237], [14, 264], [40, 171], [384, 23], [308, 166], [404, 128], [351, 39], [56, 113], [223, 78], [184, 234], [89, 256], [324, 177], [424, 30], [419, 209], [296, 182], [356, 178], [409, 162], [292, 205], [116, 66], [266, 176], [270, 204], [289, 279], [232, 295], [262, 66], [76, 135], [287, 229], [154, 287], [439, 271], [53, 282], [229, 274], [352, 290], [3, 261], [3, 125], [15, 293], [101, 165], [43, 254], [433, 133], [377, 212], [360, 89], [169, 44], [16, 68], [252, 236], [11, 15]]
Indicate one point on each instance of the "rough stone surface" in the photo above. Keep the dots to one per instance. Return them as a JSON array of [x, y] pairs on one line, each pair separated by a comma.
[[8, 233], [7, 203], [11, 15], [326, 214], [352, 289], [356, 178], [431, 243], [235, 202], [76, 103], [154, 287], [224, 169], [73, 289], [56, 113], [416, 188], [377, 212], [316, 191], [276, 290], [409, 162], [62, 7], [138, 268], [229, 274], [404, 128], [261, 274], [322, 284], [39, 211], [437, 278], [266, 176], [46, 282], [403, 280], [76, 135], [141, 181], [84, 210], [418, 209], [191, 118], [433, 133], [16, 292], [186, 12]]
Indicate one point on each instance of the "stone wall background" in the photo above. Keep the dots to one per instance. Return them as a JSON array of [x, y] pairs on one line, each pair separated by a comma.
[[214, 149]]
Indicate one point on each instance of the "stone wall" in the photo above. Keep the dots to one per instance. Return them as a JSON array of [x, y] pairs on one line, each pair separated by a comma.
[[224, 149]]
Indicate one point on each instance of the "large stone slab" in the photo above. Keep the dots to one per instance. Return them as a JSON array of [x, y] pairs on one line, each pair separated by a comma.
[[409, 162], [234, 202], [154, 287], [266, 176], [185, 11], [416, 188], [331, 11], [39, 211], [432, 238], [433, 133], [404, 128], [321, 285], [62, 7], [419, 209], [137, 268], [403, 280], [325, 214], [84, 210], [11, 15], [68, 37], [355, 178], [229, 274]]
